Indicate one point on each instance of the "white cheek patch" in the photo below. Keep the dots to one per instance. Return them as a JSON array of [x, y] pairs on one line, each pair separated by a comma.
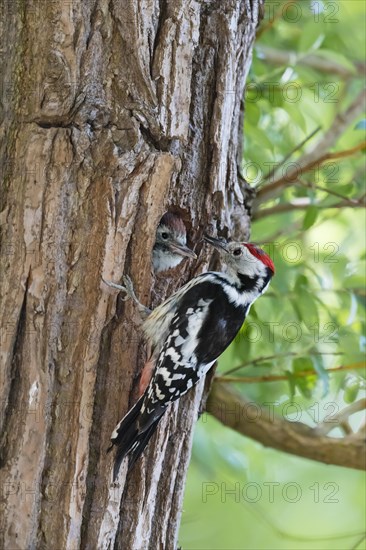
[[252, 267]]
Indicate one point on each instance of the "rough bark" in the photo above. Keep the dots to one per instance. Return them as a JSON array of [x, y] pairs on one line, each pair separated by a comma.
[[114, 111]]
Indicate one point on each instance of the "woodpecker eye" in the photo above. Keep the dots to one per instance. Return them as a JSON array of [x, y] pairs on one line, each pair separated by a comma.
[[164, 235], [237, 252]]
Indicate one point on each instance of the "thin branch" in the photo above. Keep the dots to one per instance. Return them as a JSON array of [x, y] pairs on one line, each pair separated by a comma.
[[335, 156], [280, 377], [339, 126], [319, 151], [260, 424], [309, 185], [294, 175], [266, 358], [357, 544], [314, 61], [341, 418], [266, 27], [293, 229], [289, 155], [304, 204]]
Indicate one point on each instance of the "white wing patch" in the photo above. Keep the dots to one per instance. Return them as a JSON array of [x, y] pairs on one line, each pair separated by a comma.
[[158, 322]]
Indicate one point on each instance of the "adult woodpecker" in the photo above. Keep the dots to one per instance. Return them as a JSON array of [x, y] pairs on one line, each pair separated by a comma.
[[187, 333]]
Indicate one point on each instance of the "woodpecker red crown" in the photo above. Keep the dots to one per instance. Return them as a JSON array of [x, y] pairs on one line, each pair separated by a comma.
[[261, 255]]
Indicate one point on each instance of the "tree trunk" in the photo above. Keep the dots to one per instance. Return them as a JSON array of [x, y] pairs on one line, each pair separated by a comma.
[[114, 112]]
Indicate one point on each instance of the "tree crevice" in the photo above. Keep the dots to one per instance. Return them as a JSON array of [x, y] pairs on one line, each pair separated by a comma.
[[13, 396]]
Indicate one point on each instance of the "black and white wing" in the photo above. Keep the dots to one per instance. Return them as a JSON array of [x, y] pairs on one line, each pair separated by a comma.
[[204, 324]]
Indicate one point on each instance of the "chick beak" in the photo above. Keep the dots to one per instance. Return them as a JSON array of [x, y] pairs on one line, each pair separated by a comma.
[[182, 250], [219, 244]]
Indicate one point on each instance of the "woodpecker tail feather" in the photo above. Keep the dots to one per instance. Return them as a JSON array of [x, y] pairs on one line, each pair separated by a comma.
[[129, 438], [141, 441]]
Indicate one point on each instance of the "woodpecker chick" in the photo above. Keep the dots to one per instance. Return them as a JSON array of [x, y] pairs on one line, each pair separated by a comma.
[[169, 250], [187, 334], [171, 243]]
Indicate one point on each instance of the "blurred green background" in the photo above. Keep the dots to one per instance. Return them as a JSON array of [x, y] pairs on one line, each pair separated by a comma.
[[240, 495]]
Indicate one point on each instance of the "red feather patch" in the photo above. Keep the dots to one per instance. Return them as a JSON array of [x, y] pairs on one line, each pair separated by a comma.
[[261, 255]]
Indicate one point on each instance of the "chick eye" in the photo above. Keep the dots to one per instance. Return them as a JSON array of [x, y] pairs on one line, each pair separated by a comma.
[[237, 252], [164, 235]]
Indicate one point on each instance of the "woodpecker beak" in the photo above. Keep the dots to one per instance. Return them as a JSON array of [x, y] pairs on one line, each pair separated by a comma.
[[182, 250], [219, 244]]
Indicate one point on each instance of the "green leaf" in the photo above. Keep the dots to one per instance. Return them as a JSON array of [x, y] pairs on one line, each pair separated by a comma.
[[352, 386], [300, 364], [252, 113], [301, 282], [276, 97], [310, 217], [306, 384], [292, 384], [297, 115], [305, 307]]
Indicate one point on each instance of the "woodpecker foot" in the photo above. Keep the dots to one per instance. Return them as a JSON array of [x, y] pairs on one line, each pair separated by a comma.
[[129, 291], [118, 287]]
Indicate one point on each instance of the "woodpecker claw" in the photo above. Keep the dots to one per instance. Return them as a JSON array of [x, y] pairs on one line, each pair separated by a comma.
[[130, 293], [128, 288], [118, 287]]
